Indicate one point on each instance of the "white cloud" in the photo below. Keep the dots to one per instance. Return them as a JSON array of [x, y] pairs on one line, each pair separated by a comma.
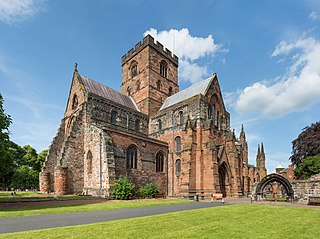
[[15, 11], [298, 88], [314, 16], [189, 49], [191, 71]]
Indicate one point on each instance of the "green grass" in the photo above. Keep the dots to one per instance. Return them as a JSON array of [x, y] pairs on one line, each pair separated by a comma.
[[6, 196], [236, 221], [56, 209]]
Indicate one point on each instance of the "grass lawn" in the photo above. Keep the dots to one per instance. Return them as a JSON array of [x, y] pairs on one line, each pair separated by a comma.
[[6, 196], [236, 221], [55, 209]]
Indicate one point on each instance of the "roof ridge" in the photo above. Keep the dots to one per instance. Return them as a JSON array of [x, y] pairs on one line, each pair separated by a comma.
[[108, 93]]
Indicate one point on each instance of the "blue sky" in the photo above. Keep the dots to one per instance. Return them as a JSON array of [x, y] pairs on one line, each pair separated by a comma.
[[266, 56]]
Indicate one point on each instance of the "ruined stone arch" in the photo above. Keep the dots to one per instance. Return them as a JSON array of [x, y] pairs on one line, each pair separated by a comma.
[[274, 177]]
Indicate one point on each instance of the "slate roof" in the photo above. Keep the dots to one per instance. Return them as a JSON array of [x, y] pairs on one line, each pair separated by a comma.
[[108, 93], [198, 88]]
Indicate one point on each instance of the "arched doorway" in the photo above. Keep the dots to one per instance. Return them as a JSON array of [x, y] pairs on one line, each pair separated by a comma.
[[224, 180], [267, 184]]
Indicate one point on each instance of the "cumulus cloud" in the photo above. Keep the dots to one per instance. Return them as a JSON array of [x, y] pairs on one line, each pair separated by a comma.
[[16, 11], [189, 49], [298, 88]]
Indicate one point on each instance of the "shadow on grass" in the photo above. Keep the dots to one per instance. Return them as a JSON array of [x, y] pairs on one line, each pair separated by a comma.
[[53, 206]]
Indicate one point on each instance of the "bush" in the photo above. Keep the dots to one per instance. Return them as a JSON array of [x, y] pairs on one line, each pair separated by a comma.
[[123, 189], [25, 177], [150, 190]]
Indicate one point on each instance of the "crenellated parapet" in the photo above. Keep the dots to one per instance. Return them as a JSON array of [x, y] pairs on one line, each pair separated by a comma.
[[149, 41]]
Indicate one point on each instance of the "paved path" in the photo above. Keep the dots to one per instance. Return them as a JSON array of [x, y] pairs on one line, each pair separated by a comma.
[[18, 224]]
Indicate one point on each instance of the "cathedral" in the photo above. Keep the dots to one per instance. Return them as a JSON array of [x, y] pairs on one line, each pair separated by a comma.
[[150, 131]]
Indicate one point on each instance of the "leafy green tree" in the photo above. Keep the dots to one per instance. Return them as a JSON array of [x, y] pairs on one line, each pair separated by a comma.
[[150, 190], [307, 144], [123, 189], [25, 177], [30, 157], [309, 166], [6, 157], [40, 160]]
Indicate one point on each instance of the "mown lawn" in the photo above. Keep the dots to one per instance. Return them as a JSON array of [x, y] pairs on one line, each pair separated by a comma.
[[6, 196], [236, 221], [57, 209]]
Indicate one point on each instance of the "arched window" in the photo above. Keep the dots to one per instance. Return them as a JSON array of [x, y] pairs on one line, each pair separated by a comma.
[[160, 124], [134, 69], [181, 119], [137, 125], [178, 144], [89, 162], [159, 162], [128, 91], [138, 85], [132, 157], [217, 122], [158, 85], [163, 68], [170, 91], [74, 102], [114, 116], [178, 166]]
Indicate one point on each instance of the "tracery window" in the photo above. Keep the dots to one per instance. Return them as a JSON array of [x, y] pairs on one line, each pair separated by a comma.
[[159, 162], [132, 157], [163, 68]]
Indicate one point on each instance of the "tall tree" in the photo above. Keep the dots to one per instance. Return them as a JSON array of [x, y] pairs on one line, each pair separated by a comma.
[[6, 158], [307, 144], [40, 160]]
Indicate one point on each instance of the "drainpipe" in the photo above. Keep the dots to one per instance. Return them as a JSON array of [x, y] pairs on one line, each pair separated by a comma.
[[100, 158]]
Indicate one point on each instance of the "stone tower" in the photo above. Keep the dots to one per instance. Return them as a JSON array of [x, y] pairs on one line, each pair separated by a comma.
[[149, 75]]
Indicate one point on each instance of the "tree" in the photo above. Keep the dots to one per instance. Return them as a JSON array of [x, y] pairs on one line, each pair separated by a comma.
[[40, 160], [307, 144], [6, 159], [25, 177], [309, 166]]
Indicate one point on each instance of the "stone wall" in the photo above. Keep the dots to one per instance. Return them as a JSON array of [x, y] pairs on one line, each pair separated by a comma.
[[304, 188]]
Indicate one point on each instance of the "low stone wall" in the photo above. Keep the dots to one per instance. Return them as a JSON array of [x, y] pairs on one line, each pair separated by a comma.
[[305, 188]]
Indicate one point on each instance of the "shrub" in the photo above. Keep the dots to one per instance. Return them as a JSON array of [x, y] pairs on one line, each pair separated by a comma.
[[123, 189], [149, 190]]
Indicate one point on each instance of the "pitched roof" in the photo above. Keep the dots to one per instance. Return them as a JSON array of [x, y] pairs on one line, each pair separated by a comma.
[[108, 93], [198, 88]]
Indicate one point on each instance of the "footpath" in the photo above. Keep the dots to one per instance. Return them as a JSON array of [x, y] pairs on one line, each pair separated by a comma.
[[18, 224]]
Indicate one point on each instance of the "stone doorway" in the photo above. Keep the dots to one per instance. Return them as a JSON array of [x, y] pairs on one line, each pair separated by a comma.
[[224, 180]]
